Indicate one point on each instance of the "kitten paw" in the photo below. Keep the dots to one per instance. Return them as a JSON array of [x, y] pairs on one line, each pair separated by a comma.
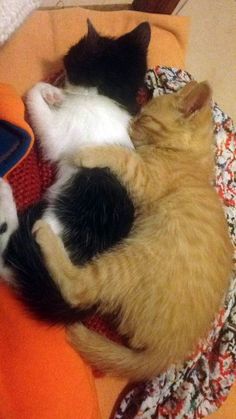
[[42, 231], [52, 95], [50, 244]]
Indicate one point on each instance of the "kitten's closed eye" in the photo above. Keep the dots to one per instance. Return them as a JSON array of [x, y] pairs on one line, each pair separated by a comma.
[[141, 121], [144, 118], [150, 123], [147, 119]]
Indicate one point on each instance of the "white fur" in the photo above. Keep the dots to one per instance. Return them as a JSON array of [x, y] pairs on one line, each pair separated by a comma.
[[78, 118], [8, 215], [12, 14], [63, 175]]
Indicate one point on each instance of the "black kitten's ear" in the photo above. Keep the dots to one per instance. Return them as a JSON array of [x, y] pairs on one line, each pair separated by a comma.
[[92, 33], [141, 34]]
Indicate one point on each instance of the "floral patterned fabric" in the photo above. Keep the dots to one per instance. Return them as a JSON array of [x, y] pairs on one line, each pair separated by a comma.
[[203, 383]]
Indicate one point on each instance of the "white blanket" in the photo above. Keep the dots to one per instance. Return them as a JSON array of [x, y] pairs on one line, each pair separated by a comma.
[[12, 14]]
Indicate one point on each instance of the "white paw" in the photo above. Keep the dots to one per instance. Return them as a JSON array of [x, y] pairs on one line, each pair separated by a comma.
[[52, 95], [8, 214]]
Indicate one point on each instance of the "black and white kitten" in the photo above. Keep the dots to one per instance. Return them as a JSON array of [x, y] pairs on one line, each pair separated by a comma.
[[88, 208]]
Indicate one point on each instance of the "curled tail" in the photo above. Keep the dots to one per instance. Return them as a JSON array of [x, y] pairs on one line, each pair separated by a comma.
[[113, 358], [36, 287]]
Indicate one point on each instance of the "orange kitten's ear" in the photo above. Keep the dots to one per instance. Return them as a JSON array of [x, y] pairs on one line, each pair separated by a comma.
[[194, 97], [187, 88]]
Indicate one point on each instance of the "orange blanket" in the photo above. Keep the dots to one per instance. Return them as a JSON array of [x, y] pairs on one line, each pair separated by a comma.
[[41, 377]]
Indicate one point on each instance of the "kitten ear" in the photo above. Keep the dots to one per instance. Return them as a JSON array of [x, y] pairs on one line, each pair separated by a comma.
[[92, 33], [187, 88], [141, 34], [194, 97]]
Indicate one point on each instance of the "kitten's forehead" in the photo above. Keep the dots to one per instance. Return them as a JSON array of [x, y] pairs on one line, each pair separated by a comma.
[[161, 103]]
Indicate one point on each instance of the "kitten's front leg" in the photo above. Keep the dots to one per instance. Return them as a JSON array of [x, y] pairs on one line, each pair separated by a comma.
[[40, 99], [52, 95], [42, 102], [69, 278], [126, 164]]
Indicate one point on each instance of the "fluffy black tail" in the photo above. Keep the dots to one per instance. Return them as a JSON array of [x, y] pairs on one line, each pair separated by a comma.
[[36, 288]]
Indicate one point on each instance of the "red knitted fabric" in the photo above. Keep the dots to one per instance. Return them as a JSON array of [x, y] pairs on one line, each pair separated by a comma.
[[30, 179]]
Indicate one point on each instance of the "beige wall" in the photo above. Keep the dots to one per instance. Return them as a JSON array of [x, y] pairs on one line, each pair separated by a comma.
[[212, 47], [54, 3]]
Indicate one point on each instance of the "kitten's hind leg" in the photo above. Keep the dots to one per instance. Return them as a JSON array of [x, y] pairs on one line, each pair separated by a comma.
[[8, 220]]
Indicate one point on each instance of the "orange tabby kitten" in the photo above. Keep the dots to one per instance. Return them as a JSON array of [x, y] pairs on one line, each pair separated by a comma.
[[168, 278]]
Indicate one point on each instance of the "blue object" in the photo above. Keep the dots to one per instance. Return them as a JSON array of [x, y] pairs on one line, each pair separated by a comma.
[[14, 143]]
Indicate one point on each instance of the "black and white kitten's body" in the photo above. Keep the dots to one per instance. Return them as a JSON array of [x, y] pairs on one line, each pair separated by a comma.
[[75, 118], [88, 208]]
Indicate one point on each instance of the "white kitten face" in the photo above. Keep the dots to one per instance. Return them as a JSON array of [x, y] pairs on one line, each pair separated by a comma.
[[67, 120]]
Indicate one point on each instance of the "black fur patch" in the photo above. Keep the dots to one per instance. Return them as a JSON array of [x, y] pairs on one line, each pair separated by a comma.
[[36, 288], [116, 67], [96, 213]]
